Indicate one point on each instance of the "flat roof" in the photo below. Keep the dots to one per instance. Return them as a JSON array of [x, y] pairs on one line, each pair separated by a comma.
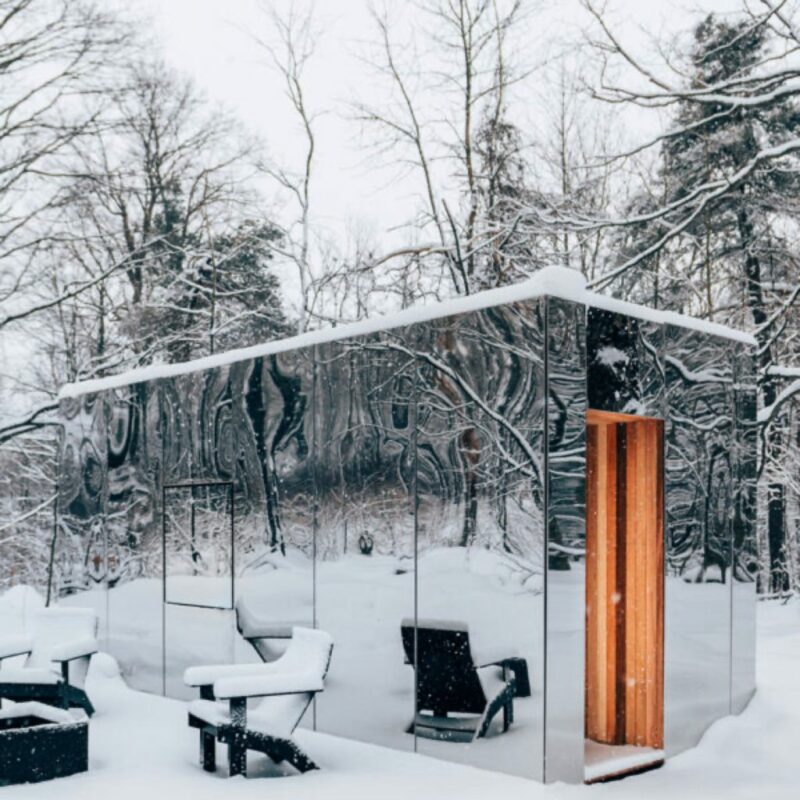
[[561, 282]]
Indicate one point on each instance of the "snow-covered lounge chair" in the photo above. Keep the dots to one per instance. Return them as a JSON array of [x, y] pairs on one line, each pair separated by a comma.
[[284, 689], [451, 682], [57, 657]]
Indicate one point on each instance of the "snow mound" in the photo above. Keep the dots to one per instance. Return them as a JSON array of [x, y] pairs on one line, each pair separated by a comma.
[[21, 600], [104, 666]]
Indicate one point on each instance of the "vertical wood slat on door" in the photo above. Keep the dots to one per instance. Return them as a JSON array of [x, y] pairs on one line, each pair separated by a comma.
[[624, 581], [601, 572]]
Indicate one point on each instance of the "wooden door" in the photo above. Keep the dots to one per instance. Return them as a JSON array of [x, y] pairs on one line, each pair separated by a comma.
[[624, 580]]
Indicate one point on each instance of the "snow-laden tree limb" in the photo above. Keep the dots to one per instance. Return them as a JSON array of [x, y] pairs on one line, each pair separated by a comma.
[[27, 515], [30, 422]]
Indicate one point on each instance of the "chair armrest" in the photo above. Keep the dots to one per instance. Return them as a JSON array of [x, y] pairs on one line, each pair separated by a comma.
[[207, 675], [266, 685], [17, 646], [72, 650], [492, 656]]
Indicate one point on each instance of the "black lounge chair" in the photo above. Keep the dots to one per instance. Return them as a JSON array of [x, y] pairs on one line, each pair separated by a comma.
[[457, 696], [57, 659], [285, 688]]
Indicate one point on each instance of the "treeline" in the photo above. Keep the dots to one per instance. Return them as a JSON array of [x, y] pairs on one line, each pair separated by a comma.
[[134, 225]]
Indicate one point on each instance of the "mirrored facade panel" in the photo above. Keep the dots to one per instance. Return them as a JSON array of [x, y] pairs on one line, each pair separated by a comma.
[[744, 570], [198, 531], [479, 640], [624, 364], [566, 540], [134, 523], [194, 635], [273, 416], [196, 427], [700, 496], [198, 523], [79, 572], [365, 538]]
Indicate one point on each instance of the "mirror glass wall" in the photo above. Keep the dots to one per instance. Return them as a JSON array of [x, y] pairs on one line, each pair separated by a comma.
[[415, 492], [80, 568], [566, 540], [275, 502], [480, 538], [365, 539], [700, 493]]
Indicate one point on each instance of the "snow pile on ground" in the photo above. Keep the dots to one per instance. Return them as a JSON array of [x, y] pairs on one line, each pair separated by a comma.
[[141, 746], [18, 606]]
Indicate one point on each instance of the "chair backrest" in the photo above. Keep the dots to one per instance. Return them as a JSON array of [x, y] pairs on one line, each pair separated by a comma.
[[266, 635], [447, 679], [53, 627], [308, 654]]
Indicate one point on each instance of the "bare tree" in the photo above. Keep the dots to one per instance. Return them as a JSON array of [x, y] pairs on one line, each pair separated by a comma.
[[289, 44], [725, 218], [57, 58], [452, 112], [164, 190]]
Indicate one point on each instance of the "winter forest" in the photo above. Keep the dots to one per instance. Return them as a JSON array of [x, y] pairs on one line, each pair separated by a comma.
[[142, 222]]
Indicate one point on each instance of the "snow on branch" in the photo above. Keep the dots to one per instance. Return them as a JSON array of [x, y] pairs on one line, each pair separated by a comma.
[[77, 289], [27, 515], [768, 413], [28, 423], [707, 193]]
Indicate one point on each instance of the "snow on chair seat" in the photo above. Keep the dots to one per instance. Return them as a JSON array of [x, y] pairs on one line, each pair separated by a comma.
[[57, 658], [23, 675], [283, 689]]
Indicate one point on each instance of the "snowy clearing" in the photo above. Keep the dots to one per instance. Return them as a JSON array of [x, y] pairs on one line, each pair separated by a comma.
[[141, 746]]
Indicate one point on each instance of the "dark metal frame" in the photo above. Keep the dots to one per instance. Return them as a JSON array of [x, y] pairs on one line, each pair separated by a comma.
[[192, 485]]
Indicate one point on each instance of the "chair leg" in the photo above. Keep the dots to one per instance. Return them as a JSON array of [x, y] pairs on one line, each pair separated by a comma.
[[208, 751], [297, 758], [237, 744], [77, 698], [237, 754], [508, 715], [505, 701]]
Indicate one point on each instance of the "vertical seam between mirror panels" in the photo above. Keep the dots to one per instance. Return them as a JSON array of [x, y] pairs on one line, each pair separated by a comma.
[[545, 309]]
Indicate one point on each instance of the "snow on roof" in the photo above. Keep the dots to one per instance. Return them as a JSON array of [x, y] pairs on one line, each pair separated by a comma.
[[567, 284]]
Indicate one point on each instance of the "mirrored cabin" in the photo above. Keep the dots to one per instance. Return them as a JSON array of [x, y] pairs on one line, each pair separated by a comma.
[[526, 517]]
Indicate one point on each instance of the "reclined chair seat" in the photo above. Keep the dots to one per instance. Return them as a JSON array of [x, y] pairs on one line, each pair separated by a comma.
[[265, 634]]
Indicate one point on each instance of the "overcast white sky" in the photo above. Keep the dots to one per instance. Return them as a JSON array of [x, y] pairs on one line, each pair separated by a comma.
[[209, 40]]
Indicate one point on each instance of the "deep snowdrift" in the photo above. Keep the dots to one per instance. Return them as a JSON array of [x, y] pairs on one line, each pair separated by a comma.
[[140, 746]]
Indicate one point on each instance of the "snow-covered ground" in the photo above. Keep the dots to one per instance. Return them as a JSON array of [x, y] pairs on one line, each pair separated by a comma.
[[140, 746]]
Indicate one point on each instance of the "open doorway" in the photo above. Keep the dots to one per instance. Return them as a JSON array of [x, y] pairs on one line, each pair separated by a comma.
[[624, 700]]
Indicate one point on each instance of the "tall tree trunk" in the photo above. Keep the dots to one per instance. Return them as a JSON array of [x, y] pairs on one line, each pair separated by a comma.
[[776, 493]]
